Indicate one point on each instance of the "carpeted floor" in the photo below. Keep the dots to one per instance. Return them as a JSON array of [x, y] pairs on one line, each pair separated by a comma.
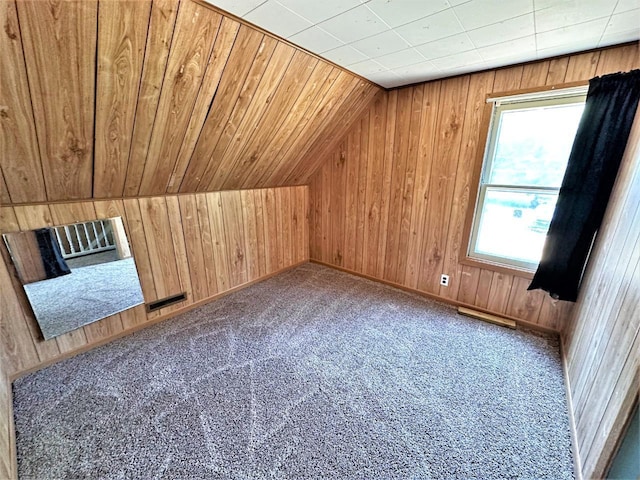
[[310, 374], [87, 294]]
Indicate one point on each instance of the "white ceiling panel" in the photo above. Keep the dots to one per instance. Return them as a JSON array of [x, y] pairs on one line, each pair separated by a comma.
[[402, 58], [354, 24], [478, 13], [367, 67], [398, 42], [446, 46], [386, 79], [317, 12], [345, 55], [504, 31], [572, 13], [396, 13], [524, 47], [622, 27], [381, 44], [274, 17], [316, 40], [434, 27], [588, 32], [459, 60], [626, 5], [416, 73]]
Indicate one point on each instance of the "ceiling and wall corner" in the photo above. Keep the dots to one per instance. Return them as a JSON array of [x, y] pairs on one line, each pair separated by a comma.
[[400, 42]]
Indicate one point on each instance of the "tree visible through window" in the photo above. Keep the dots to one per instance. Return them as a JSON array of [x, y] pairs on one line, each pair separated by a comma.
[[527, 150]]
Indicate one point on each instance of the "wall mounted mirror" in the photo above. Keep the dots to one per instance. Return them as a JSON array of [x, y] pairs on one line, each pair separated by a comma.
[[75, 274]]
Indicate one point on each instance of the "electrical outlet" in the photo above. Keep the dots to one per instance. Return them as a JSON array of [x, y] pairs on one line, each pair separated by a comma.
[[444, 280]]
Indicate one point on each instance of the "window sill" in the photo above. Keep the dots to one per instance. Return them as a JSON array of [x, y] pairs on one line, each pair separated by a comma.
[[497, 267]]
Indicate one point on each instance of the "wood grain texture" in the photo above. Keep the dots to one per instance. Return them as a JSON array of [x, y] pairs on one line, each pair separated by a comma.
[[424, 152], [215, 69], [193, 39], [169, 253], [62, 91], [602, 338], [237, 87], [19, 147], [186, 100], [7, 462], [159, 37], [4, 190], [122, 33]]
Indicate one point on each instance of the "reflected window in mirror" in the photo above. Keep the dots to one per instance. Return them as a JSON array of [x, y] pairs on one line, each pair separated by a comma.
[[75, 274]]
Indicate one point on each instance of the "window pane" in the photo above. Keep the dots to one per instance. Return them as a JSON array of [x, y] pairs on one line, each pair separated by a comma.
[[533, 145], [513, 225]]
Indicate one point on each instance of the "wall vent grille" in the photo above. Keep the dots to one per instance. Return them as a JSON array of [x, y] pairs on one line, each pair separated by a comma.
[[165, 302]]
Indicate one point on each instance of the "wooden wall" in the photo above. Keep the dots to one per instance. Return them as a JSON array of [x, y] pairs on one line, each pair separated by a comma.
[[7, 459], [205, 244], [602, 339], [391, 200], [112, 99]]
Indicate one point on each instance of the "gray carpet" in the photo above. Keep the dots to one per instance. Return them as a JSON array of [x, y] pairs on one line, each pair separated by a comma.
[[311, 374], [87, 294]]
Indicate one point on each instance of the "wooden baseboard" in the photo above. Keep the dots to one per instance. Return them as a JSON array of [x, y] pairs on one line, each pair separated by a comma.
[[575, 451], [128, 331], [519, 322]]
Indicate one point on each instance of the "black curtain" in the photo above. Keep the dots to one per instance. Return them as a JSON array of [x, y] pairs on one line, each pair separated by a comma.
[[597, 150], [54, 264]]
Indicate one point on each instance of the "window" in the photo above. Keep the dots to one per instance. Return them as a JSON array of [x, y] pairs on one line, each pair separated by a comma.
[[528, 145]]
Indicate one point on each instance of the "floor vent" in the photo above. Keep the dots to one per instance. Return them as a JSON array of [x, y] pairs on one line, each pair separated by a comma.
[[165, 302], [487, 317]]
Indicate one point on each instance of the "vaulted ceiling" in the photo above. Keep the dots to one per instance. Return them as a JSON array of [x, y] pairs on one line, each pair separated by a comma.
[[130, 98]]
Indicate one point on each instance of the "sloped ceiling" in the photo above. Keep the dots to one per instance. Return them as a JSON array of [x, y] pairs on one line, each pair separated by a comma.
[[130, 98]]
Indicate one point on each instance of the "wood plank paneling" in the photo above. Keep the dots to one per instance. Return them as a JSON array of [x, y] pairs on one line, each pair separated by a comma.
[[19, 149], [234, 227], [233, 138], [193, 39], [299, 132], [159, 36], [416, 208], [186, 100], [245, 151], [479, 86], [216, 67], [238, 87], [327, 136], [159, 243], [4, 190], [163, 234], [297, 118], [602, 338], [451, 113], [194, 247], [122, 33], [7, 462], [62, 91]]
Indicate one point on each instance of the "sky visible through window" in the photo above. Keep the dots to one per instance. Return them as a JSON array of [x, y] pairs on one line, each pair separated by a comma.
[[532, 149]]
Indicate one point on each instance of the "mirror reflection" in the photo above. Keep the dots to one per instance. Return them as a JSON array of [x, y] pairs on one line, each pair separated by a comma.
[[75, 274]]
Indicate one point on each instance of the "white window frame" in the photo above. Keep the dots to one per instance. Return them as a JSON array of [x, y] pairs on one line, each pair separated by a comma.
[[502, 104]]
